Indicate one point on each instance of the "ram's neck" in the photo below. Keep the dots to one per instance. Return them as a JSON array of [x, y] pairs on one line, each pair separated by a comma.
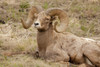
[[45, 38]]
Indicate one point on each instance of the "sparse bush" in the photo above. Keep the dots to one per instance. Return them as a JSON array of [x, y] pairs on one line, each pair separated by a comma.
[[24, 5], [45, 6]]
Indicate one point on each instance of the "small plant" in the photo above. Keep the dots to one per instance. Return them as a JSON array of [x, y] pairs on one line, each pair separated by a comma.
[[23, 6], [5, 57], [84, 28], [17, 65], [45, 6], [5, 4]]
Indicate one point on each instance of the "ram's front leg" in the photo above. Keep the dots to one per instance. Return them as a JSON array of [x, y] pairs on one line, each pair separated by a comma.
[[61, 56], [39, 53], [56, 54]]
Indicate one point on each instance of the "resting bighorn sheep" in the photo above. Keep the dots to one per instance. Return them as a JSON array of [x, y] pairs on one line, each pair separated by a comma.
[[54, 44]]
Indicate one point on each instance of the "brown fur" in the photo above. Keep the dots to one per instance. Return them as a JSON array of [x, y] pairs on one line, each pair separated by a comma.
[[65, 46], [85, 65]]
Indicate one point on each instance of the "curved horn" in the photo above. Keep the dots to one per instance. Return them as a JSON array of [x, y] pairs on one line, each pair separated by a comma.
[[31, 16], [62, 15]]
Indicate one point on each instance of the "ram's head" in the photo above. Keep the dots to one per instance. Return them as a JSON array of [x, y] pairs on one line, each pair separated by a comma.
[[45, 18]]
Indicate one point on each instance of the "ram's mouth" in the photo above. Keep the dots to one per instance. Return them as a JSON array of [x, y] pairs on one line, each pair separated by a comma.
[[38, 27]]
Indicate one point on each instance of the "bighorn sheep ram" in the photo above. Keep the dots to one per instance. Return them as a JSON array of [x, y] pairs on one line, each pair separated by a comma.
[[54, 44]]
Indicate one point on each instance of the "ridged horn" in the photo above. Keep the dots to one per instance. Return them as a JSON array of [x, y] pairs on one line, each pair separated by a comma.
[[31, 16], [62, 15]]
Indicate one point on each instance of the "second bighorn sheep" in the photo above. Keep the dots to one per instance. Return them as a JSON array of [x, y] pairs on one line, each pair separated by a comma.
[[55, 45]]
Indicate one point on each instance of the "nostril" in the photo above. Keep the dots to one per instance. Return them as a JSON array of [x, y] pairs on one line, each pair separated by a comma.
[[36, 23]]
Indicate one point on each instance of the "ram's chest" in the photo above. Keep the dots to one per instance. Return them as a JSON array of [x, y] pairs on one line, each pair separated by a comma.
[[44, 40]]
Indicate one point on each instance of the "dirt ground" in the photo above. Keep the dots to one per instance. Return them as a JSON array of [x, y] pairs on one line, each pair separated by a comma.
[[17, 44]]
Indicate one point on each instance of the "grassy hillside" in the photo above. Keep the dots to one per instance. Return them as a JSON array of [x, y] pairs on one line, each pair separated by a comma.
[[17, 44]]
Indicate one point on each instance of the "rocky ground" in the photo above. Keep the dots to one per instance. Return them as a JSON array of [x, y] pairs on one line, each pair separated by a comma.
[[17, 44]]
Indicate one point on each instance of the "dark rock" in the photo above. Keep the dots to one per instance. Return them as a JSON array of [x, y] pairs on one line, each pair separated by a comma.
[[1, 21]]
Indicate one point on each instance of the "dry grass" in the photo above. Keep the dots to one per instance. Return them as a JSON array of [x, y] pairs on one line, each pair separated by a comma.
[[17, 45]]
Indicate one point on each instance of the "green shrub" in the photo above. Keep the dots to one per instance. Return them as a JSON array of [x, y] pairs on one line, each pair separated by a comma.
[[24, 5]]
